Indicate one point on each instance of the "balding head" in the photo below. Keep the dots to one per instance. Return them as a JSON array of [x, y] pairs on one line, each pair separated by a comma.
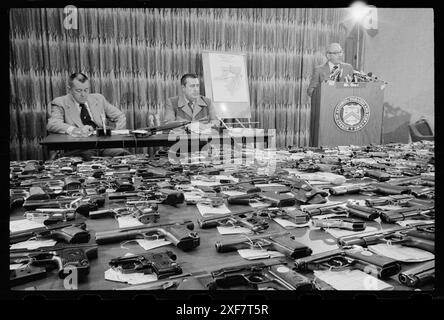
[[334, 53]]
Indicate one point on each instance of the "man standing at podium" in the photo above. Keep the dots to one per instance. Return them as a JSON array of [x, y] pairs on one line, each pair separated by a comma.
[[79, 113], [334, 69]]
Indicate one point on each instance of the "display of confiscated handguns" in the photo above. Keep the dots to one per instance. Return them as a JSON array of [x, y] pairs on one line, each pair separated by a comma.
[[246, 219], [83, 205], [275, 199], [339, 259], [163, 264], [164, 196], [362, 212], [69, 232], [343, 223], [51, 215], [259, 276], [28, 265], [389, 200], [282, 242], [177, 232], [145, 213], [420, 236], [418, 275], [409, 212], [327, 208], [296, 216]]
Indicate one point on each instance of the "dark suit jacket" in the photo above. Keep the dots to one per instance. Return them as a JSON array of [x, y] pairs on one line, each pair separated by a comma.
[[65, 113], [322, 73], [177, 109]]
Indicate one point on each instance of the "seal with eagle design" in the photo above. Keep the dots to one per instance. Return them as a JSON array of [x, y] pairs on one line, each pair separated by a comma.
[[352, 114]]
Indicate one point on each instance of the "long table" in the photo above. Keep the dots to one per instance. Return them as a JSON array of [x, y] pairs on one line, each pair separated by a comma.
[[66, 142]]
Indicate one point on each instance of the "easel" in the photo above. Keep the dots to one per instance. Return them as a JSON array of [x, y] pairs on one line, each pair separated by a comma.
[[226, 122]]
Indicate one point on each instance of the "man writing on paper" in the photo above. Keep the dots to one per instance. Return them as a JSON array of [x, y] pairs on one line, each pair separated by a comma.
[[333, 69], [79, 113], [190, 105]]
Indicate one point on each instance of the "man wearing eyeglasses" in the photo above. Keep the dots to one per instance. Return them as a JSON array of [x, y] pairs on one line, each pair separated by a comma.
[[333, 69], [80, 112]]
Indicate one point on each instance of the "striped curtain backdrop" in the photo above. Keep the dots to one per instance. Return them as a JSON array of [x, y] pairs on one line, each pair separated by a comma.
[[135, 58]]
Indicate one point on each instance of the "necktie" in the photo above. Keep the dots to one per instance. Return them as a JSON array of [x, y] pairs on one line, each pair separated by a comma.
[[190, 104], [334, 69], [84, 116]]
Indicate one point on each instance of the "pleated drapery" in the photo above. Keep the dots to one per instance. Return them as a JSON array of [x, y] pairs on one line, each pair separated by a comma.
[[135, 58]]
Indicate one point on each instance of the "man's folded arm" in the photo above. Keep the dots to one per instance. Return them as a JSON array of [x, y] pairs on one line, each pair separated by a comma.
[[115, 115], [56, 121]]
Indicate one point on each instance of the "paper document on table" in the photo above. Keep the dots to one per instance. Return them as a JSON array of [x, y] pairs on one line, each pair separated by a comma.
[[253, 254], [33, 244], [401, 253], [128, 221], [120, 132], [130, 278], [151, 244], [208, 210], [204, 183], [258, 204], [290, 225], [351, 280], [328, 203], [337, 233], [24, 224], [232, 193], [234, 230]]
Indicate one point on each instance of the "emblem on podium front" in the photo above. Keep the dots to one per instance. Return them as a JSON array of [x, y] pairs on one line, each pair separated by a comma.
[[352, 114]]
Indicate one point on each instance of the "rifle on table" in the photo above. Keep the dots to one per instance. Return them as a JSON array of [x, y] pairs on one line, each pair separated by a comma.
[[282, 242], [33, 264], [176, 232], [417, 236], [338, 259], [69, 232]]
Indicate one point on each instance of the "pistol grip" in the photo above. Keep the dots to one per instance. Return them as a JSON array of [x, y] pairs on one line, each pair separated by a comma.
[[72, 234]]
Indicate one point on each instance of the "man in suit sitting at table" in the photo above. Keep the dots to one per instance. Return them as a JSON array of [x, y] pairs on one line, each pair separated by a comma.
[[334, 64], [190, 105], [79, 113]]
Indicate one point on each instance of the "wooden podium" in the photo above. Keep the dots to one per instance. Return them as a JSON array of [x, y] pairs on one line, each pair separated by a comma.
[[346, 114]]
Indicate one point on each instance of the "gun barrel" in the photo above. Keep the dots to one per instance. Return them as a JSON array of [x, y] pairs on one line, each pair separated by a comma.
[[419, 275]]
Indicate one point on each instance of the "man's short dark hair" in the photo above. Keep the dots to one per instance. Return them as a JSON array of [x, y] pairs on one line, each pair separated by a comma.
[[79, 76], [183, 80]]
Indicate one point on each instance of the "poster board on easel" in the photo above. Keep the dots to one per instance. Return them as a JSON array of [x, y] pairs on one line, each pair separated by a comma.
[[226, 83]]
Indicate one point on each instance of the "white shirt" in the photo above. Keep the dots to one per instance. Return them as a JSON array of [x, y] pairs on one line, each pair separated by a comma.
[[69, 130]]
